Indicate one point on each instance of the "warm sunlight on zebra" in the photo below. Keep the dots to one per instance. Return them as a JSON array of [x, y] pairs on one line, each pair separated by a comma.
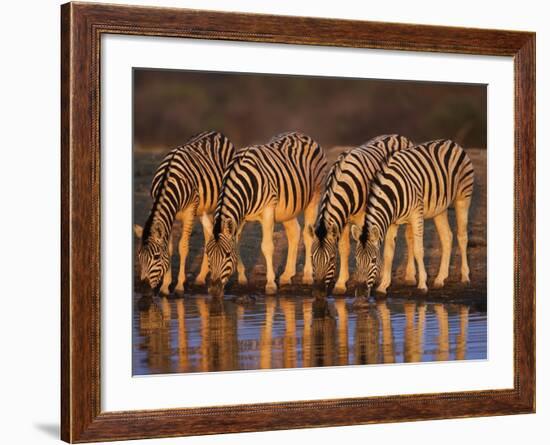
[[186, 185], [417, 184], [344, 202], [268, 183]]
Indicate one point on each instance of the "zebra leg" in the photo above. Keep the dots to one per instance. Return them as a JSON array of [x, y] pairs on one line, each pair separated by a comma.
[[206, 221], [292, 229], [389, 251], [446, 238], [241, 273], [462, 207], [410, 271], [167, 279], [417, 221], [343, 252], [268, 222], [310, 215], [183, 246]]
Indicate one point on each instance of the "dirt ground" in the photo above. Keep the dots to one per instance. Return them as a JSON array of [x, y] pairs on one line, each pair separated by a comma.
[[145, 163]]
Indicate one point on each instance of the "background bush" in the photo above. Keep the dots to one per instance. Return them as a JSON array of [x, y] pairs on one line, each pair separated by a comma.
[[170, 106]]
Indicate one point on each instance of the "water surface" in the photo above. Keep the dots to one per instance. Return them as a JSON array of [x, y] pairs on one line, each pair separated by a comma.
[[200, 334]]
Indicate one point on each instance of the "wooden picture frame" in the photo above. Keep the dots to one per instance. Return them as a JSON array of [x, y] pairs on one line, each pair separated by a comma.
[[82, 26]]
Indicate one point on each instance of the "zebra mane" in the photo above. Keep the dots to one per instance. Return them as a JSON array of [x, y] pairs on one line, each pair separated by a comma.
[[321, 230], [217, 228], [160, 187], [364, 233], [376, 183]]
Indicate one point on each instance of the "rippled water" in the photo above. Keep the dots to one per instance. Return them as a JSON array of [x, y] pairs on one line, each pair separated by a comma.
[[199, 334]]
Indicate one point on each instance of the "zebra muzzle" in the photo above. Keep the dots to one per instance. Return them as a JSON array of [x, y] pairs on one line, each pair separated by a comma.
[[319, 290], [145, 287], [216, 288], [362, 291]]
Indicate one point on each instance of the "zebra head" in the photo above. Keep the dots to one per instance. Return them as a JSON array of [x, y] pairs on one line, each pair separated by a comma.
[[323, 255], [221, 251], [367, 257], [153, 256]]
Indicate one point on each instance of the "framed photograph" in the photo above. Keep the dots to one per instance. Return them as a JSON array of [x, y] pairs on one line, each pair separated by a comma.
[[233, 191]]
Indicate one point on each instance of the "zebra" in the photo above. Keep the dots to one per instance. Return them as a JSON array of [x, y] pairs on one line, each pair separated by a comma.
[[343, 204], [416, 184], [268, 183], [186, 184]]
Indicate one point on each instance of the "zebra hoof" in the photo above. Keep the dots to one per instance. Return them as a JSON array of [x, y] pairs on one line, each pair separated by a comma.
[[307, 280], [200, 281], [423, 290], [243, 282], [179, 292], [270, 289], [438, 284], [465, 282], [164, 292], [285, 281], [339, 290]]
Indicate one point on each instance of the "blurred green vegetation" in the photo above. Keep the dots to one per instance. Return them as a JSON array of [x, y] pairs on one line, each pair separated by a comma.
[[170, 106]]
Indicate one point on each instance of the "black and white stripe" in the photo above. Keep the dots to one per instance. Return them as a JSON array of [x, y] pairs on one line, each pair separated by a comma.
[[186, 184], [269, 183], [416, 184], [344, 202]]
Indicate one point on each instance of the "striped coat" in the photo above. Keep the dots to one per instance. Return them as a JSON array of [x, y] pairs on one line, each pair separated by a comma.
[[417, 184], [344, 202], [186, 184], [269, 183]]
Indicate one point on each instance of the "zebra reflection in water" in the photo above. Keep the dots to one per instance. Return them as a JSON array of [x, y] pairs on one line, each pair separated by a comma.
[[204, 334], [219, 344]]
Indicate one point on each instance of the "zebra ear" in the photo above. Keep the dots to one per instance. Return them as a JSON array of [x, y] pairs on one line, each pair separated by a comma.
[[355, 232], [333, 231], [310, 230], [138, 231]]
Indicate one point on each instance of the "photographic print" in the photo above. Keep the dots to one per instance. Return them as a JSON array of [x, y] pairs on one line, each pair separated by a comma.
[[308, 200], [296, 221]]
